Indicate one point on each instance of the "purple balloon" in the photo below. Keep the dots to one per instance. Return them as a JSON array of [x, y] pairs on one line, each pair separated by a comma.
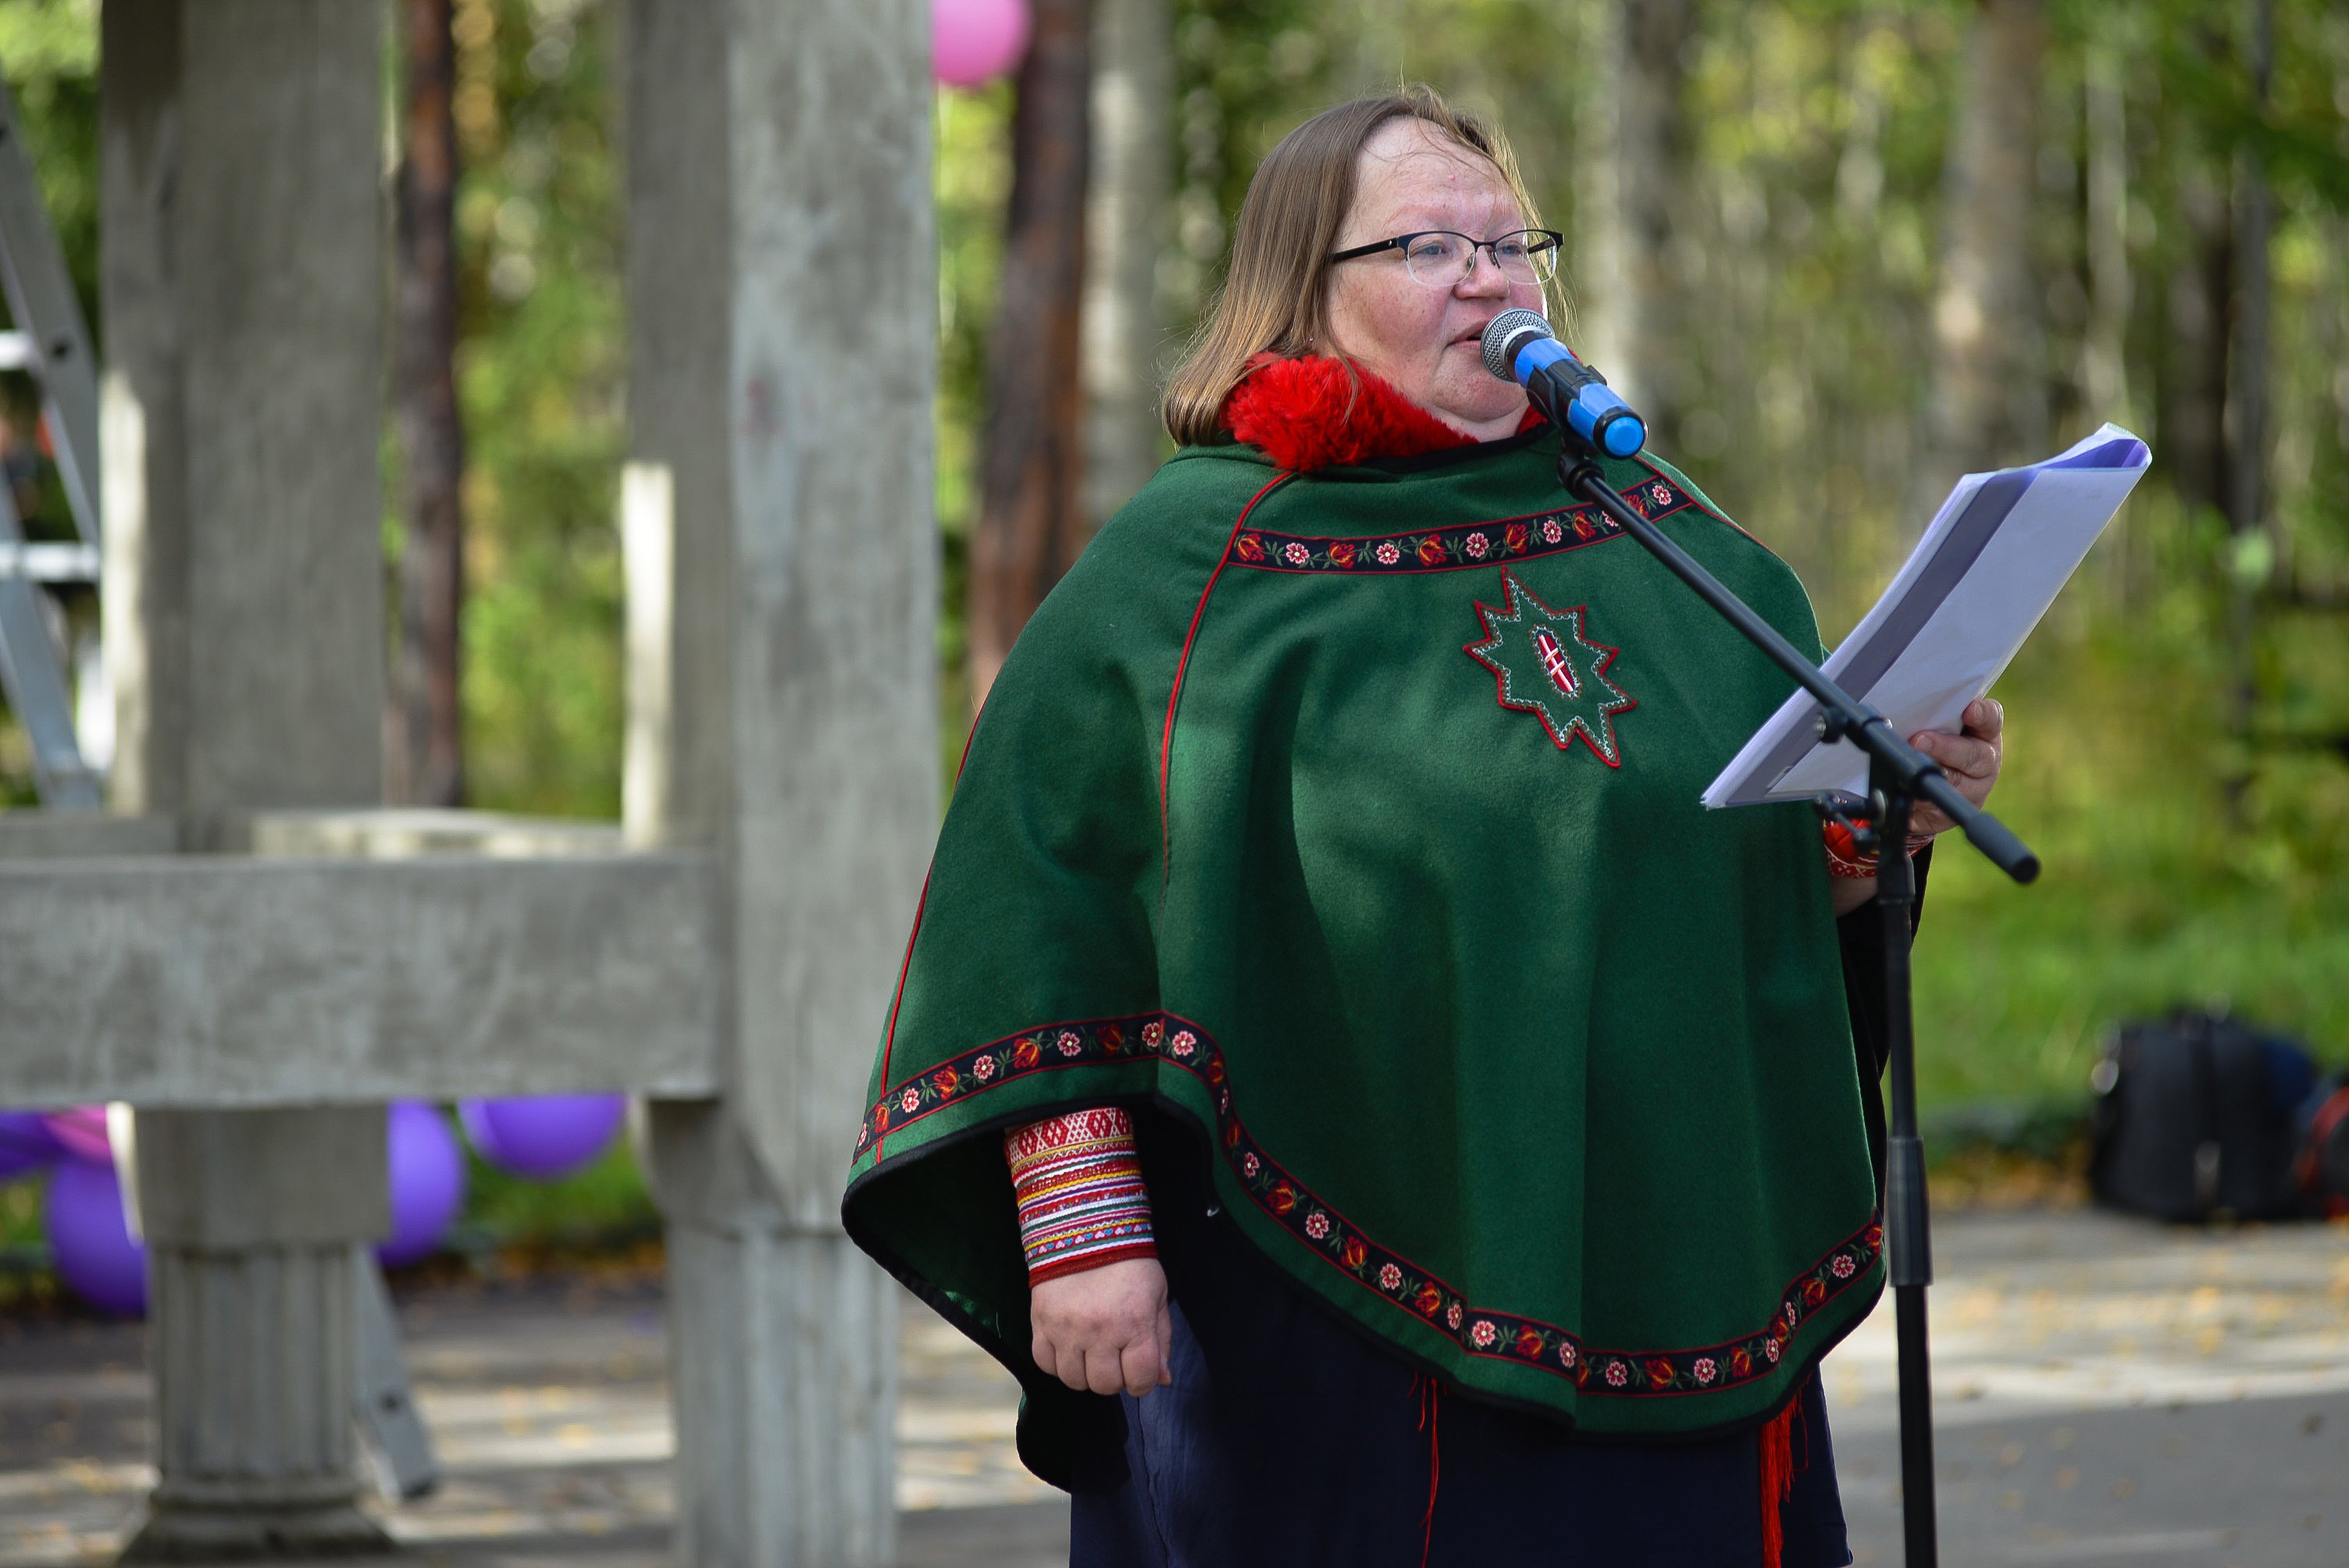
[[90, 1241], [544, 1136], [25, 1143], [428, 1181]]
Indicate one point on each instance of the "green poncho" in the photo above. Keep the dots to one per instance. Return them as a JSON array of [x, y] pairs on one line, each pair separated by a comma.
[[1350, 820]]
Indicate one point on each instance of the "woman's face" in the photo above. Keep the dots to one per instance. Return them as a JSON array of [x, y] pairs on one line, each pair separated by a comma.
[[1428, 341]]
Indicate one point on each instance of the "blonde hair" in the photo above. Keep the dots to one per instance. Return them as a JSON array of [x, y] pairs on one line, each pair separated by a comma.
[[1275, 296]]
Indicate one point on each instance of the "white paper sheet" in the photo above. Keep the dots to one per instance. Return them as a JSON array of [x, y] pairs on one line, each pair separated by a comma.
[[1996, 556]]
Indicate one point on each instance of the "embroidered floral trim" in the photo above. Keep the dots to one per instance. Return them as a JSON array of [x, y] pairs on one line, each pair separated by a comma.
[[1479, 1331], [1456, 548]]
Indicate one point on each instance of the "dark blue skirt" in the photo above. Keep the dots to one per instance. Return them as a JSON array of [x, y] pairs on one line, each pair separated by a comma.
[[1288, 1439]]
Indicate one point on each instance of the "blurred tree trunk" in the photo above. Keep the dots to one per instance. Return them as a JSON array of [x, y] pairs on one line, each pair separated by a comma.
[[1031, 520], [1133, 135], [1639, 230], [1598, 260], [426, 759], [1985, 401], [2105, 357], [2253, 557], [2193, 384], [2104, 349]]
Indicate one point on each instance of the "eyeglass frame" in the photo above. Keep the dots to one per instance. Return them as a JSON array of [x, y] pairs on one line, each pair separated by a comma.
[[1402, 243]]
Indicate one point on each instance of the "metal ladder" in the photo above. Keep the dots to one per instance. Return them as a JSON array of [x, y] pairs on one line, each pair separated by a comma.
[[51, 342]]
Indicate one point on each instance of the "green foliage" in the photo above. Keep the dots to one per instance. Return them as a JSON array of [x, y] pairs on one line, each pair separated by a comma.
[[48, 52], [2158, 891], [541, 377], [606, 1205], [973, 183], [2182, 862]]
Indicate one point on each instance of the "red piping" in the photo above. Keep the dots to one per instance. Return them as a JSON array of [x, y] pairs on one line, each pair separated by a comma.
[[898, 1000], [1430, 1409], [1166, 739], [906, 967], [1699, 502]]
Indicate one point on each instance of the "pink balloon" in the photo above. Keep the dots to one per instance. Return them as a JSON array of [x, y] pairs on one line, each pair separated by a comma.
[[82, 1132], [972, 41]]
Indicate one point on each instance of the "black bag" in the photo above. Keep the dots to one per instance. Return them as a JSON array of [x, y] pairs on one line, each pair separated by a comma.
[[2194, 1119]]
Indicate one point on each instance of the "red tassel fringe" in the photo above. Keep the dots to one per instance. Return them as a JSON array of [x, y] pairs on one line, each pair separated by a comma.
[[1430, 1395], [1777, 1482]]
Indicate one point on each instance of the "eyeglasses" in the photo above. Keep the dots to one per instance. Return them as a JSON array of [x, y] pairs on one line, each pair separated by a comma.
[[1441, 258]]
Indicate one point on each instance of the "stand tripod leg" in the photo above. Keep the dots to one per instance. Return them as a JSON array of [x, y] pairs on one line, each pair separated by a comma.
[[1909, 1241], [1918, 1533]]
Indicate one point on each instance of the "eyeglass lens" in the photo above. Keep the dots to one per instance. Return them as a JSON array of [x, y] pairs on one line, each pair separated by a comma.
[[1441, 261]]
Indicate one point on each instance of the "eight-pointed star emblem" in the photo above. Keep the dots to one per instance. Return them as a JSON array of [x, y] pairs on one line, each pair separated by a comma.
[[1547, 666]]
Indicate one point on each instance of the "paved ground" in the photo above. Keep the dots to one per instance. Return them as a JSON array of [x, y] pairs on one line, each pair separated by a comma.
[[2109, 1394], [2112, 1392]]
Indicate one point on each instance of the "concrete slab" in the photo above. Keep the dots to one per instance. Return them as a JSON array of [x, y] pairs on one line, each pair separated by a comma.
[[210, 981], [2110, 1393]]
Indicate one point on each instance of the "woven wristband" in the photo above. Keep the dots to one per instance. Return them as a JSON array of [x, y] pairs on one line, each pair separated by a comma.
[[1844, 857], [1078, 1181]]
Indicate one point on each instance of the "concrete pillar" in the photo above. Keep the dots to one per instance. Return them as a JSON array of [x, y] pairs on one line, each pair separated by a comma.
[[242, 282], [782, 580], [249, 1218]]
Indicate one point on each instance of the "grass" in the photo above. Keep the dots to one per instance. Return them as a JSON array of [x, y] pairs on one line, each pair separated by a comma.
[[2183, 865]]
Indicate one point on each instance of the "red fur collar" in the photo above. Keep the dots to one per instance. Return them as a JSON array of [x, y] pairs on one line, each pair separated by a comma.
[[1306, 414]]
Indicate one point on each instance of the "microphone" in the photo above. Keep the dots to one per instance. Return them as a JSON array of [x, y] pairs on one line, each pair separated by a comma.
[[1520, 346]]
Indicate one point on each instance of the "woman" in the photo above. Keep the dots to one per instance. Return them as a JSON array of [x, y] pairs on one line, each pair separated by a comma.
[[1459, 1128]]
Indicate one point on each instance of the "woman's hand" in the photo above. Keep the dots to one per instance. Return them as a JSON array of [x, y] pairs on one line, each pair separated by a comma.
[[1970, 757], [1106, 1328]]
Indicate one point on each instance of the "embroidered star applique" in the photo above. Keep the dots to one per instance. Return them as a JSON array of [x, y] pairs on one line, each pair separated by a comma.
[[1547, 666]]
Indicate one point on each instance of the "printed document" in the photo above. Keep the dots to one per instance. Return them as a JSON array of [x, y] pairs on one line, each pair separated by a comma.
[[1996, 556]]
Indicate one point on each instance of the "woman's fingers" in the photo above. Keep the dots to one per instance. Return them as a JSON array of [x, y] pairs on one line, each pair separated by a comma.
[[1136, 1368], [1165, 1344], [1104, 1370], [1104, 1329], [1961, 757], [1971, 759], [1140, 1364]]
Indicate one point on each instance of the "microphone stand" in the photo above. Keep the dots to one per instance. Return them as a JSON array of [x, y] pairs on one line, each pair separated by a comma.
[[1898, 777]]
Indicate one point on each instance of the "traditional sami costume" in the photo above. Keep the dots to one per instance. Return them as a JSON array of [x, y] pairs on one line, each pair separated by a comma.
[[1337, 818]]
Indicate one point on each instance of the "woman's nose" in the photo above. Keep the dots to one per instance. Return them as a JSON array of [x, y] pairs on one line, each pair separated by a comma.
[[1484, 275]]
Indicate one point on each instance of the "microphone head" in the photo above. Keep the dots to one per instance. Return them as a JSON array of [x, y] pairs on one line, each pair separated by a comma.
[[1508, 332]]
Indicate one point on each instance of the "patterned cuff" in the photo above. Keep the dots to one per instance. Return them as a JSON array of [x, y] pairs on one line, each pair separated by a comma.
[[1844, 858], [1078, 1180]]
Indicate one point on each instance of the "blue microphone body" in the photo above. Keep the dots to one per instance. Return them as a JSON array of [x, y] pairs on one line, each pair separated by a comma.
[[1519, 346]]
